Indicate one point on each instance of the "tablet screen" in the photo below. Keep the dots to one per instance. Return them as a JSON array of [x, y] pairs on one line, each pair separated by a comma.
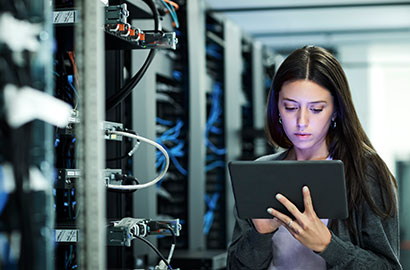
[[255, 184]]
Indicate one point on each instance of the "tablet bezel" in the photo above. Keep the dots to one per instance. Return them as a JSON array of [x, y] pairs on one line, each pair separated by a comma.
[[254, 192]]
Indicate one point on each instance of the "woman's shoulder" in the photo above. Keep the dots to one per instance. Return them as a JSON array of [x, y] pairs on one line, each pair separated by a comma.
[[276, 156]]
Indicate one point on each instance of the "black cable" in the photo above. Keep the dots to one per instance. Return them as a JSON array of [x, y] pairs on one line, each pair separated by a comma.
[[127, 89], [174, 238], [155, 249], [117, 158]]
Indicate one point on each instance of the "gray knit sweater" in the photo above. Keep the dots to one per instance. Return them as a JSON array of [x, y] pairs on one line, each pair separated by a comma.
[[376, 245]]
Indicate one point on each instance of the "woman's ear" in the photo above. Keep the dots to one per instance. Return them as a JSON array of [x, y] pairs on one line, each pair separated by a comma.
[[334, 115]]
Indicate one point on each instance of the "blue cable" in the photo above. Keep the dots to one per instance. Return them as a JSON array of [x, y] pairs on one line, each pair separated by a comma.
[[209, 216], [173, 153], [213, 118], [268, 82], [177, 75], [162, 168], [215, 164], [171, 135], [213, 50], [216, 110], [66, 259], [9, 262], [4, 196], [164, 122], [215, 130], [70, 82], [70, 256], [175, 16], [213, 148], [69, 204], [171, 12], [211, 128]]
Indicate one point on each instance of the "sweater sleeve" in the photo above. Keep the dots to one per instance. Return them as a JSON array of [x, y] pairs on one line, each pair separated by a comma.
[[249, 249], [378, 246]]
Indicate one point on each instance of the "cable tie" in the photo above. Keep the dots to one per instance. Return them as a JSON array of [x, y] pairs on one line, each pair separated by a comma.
[[137, 144]]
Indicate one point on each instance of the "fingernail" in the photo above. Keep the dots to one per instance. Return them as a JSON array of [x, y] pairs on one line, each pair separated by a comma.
[[269, 210], [278, 196], [305, 188]]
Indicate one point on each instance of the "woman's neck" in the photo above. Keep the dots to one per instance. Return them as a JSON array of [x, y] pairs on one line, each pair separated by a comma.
[[293, 154]]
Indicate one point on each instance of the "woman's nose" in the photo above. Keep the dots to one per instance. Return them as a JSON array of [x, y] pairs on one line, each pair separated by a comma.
[[303, 118]]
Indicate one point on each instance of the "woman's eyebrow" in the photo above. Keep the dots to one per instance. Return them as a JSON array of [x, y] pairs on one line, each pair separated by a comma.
[[289, 99], [311, 102], [319, 101]]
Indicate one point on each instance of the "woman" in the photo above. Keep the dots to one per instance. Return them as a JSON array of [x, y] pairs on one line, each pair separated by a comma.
[[311, 114]]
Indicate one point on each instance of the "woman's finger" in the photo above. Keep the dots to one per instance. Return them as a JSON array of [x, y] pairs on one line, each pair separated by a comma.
[[286, 221], [307, 199], [289, 205]]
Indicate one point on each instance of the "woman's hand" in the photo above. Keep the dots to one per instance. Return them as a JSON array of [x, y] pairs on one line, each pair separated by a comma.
[[308, 229], [266, 225]]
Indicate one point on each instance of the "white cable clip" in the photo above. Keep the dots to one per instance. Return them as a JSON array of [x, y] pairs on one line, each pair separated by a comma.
[[128, 30], [137, 34], [137, 144]]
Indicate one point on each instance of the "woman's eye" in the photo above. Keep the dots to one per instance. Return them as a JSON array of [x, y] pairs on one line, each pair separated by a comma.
[[290, 108], [317, 110]]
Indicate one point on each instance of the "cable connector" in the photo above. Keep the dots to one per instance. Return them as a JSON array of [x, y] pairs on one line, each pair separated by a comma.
[[116, 14], [120, 233], [112, 126], [166, 227]]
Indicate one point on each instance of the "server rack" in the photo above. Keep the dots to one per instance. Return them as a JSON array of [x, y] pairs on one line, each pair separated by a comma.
[[26, 158], [215, 134], [248, 131], [403, 176], [197, 187], [116, 58]]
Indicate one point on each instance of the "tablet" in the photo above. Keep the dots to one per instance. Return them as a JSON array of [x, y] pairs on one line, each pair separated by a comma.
[[255, 184]]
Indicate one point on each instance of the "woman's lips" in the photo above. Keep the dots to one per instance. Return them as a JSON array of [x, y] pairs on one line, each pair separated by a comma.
[[303, 135]]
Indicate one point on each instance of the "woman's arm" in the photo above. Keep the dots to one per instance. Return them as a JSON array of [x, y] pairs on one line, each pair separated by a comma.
[[378, 246], [249, 249], [378, 239]]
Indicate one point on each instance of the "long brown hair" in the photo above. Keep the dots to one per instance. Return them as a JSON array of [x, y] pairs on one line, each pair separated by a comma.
[[347, 141]]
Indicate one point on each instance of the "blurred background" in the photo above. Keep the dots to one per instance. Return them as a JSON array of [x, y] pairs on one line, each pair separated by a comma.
[[118, 118]]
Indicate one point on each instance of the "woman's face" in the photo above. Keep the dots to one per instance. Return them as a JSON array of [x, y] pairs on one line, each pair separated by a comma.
[[306, 110]]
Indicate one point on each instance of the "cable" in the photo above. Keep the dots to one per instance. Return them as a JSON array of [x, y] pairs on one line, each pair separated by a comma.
[[209, 216], [130, 153], [214, 117], [174, 242], [3, 193], [172, 12], [117, 158], [153, 181], [215, 164], [127, 88], [155, 249], [164, 122], [171, 135], [173, 4], [75, 70], [174, 152]]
